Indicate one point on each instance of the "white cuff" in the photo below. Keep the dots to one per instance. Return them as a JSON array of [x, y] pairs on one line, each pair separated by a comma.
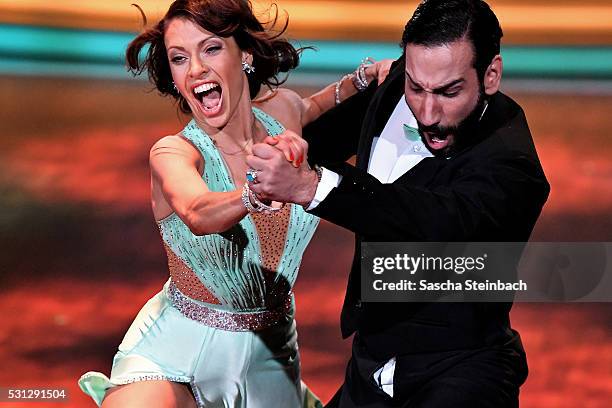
[[384, 377], [329, 181]]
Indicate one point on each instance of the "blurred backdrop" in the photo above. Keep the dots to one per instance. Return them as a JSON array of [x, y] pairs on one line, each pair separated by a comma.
[[80, 250]]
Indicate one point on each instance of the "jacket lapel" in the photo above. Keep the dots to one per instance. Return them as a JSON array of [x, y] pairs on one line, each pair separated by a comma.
[[383, 103]]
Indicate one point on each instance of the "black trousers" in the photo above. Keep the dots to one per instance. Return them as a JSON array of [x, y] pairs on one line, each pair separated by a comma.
[[488, 377]]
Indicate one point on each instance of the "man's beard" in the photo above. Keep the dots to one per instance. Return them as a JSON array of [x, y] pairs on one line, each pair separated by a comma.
[[463, 132]]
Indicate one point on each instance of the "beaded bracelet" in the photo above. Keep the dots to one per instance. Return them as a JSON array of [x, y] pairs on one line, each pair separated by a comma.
[[360, 79], [337, 89], [253, 204], [246, 192]]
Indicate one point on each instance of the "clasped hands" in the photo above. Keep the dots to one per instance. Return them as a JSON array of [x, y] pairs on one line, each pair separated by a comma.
[[283, 173], [281, 170]]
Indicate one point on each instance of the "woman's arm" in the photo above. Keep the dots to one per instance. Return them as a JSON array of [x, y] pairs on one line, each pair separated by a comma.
[[174, 168], [322, 101], [309, 109]]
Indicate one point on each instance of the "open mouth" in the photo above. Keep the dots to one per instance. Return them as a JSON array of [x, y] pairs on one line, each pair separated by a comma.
[[209, 96], [437, 141]]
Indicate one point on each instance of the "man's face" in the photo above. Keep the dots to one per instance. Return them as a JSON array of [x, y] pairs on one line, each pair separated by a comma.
[[443, 91]]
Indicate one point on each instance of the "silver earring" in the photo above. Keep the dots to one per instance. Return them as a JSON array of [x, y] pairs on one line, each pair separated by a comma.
[[175, 88], [248, 68]]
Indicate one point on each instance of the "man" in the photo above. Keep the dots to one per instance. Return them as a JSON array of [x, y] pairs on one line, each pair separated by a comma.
[[472, 175]]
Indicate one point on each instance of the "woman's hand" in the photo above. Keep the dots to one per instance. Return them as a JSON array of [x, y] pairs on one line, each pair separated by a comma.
[[378, 71], [315, 105], [294, 148]]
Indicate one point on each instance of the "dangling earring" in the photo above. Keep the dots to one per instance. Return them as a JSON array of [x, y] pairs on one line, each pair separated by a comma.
[[248, 68], [175, 88]]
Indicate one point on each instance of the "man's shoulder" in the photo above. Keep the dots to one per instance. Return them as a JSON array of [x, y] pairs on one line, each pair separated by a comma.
[[504, 108], [506, 132], [504, 117]]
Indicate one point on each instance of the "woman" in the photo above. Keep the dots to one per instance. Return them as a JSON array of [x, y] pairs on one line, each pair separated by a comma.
[[221, 332]]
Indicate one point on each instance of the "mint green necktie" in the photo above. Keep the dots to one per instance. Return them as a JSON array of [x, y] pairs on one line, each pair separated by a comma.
[[412, 133]]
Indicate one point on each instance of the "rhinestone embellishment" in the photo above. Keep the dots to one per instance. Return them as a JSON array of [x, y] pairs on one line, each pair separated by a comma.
[[227, 320]]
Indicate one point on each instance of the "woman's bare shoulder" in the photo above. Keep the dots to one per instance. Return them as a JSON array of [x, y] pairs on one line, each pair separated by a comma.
[[284, 96], [171, 141], [177, 147], [176, 142], [283, 104]]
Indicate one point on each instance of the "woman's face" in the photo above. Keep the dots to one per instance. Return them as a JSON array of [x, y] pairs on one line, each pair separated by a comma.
[[207, 70]]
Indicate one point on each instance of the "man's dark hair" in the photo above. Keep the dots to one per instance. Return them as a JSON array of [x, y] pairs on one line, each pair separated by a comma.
[[438, 22]]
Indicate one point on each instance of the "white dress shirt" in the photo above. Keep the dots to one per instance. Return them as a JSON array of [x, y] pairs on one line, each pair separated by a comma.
[[393, 153]]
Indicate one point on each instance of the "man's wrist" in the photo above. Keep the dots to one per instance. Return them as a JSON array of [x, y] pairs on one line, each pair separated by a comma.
[[309, 189]]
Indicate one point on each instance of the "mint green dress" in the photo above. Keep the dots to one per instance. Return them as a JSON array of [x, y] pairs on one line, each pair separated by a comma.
[[224, 321]]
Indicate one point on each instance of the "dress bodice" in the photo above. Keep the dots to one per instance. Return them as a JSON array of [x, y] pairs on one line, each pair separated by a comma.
[[254, 264]]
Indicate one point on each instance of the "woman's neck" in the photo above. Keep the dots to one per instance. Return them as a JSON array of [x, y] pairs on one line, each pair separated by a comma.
[[241, 130]]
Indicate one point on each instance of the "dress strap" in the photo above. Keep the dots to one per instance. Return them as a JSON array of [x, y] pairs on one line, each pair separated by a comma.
[[216, 175], [273, 126]]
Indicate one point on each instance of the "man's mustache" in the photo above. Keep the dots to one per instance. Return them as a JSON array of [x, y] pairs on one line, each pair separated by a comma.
[[437, 131]]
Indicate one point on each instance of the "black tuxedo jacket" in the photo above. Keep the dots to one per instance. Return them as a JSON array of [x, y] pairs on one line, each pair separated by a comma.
[[491, 190]]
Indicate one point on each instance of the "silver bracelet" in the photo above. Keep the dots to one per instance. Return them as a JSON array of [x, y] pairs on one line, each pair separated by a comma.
[[360, 79], [337, 89], [246, 192], [264, 207], [252, 203], [360, 83]]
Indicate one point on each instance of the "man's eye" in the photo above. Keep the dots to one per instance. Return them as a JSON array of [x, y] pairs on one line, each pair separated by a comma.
[[450, 94], [416, 90]]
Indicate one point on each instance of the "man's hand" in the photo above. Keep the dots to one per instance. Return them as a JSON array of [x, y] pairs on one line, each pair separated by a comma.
[[279, 179]]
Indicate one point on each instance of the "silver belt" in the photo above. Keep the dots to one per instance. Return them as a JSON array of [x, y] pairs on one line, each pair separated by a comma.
[[228, 320]]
